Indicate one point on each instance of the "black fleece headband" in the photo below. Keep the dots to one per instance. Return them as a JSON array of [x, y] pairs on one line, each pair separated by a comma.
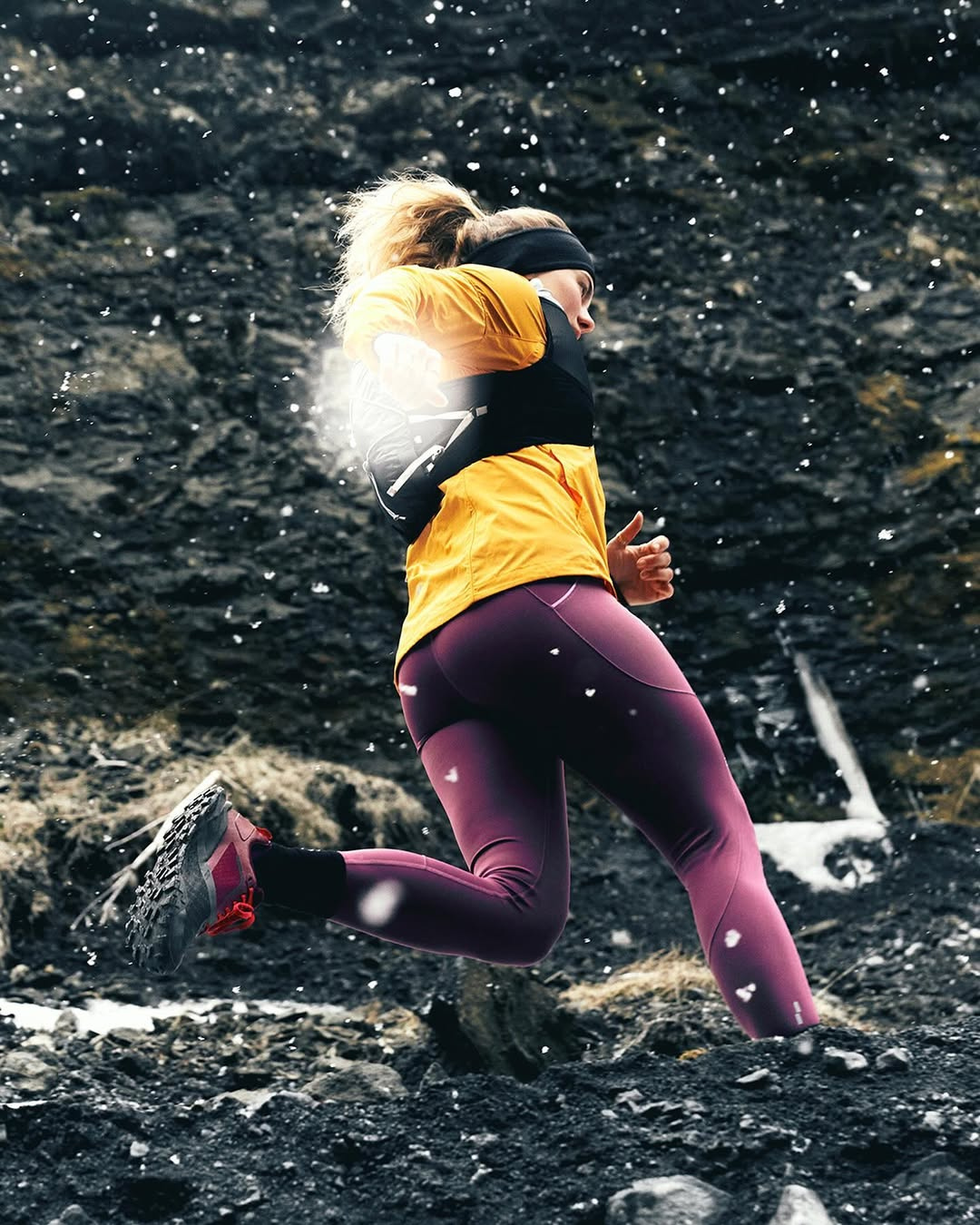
[[542, 249]]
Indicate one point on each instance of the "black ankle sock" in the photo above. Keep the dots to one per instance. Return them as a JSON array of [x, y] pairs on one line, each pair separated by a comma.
[[307, 880]]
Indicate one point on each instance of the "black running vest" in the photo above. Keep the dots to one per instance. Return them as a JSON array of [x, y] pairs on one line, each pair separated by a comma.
[[408, 454]]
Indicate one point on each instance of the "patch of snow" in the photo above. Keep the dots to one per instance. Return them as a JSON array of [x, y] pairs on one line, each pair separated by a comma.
[[101, 1016], [802, 847]]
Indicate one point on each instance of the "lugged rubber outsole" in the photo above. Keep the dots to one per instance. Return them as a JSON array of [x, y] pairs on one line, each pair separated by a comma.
[[155, 929]]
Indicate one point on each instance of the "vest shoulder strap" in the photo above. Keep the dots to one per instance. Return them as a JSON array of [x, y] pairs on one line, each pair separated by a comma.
[[407, 454]]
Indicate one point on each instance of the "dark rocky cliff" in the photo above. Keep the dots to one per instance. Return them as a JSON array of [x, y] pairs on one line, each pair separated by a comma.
[[784, 207], [784, 202]]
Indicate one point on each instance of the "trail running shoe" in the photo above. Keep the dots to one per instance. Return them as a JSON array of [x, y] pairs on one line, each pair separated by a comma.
[[202, 881]]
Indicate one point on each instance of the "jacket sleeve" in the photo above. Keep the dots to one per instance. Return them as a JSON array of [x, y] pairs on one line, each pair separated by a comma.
[[478, 318]]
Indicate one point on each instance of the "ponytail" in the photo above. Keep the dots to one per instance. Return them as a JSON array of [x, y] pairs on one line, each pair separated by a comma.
[[406, 219], [415, 218]]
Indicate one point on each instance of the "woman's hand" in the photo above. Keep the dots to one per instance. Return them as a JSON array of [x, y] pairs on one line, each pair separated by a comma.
[[409, 370], [641, 572]]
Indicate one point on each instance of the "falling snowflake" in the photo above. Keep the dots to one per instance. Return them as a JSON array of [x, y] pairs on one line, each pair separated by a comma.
[[377, 907], [859, 283], [453, 775], [732, 938], [745, 993]]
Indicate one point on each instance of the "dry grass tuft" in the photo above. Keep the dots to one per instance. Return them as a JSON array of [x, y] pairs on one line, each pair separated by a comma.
[[667, 976], [83, 821]]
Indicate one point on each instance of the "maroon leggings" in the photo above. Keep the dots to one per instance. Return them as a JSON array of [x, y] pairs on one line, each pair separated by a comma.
[[496, 701]]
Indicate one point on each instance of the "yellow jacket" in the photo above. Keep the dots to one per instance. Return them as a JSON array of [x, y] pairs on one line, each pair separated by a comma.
[[506, 519]]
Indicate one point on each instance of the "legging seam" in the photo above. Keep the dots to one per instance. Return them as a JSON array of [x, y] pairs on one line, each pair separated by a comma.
[[488, 887], [529, 888], [728, 902], [611, 662], [545, 841], [455, 688]]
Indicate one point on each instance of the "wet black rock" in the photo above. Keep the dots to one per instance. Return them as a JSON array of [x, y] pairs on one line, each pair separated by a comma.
[[495, 1019], [844, 1063], [800, 1206], [679, 1200]]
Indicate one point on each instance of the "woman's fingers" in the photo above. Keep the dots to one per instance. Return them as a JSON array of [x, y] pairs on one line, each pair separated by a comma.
[[656, 565], [658, 545], [629, 532]]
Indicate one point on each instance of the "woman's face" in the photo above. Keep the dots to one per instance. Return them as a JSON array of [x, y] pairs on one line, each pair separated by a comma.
[[572, 289]]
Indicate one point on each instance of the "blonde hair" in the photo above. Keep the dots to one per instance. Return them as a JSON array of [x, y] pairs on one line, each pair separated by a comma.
[[415, 218]]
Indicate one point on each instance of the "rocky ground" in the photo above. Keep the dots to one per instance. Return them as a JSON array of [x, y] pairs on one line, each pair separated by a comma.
[[299, 1073], [784, 206]]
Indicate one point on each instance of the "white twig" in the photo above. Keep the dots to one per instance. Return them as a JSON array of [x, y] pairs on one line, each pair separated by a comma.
[[102, 760], [842, 974], [974, 777], [836, 743], [129, 875], [111, 846]]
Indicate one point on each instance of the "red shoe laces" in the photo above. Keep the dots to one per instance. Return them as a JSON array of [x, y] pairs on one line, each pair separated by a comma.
[[240, 914]]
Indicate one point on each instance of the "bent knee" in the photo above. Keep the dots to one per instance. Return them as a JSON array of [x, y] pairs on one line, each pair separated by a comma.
[[530, 943]]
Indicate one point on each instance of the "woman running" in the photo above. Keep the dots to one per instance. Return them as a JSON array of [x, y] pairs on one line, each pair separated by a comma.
[[518, 652]]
